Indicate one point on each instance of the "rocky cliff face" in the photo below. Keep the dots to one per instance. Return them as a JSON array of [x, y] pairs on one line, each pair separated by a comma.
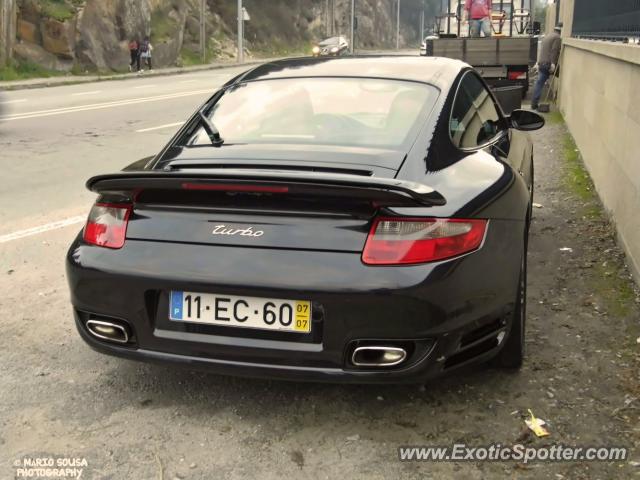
[[93, 34]]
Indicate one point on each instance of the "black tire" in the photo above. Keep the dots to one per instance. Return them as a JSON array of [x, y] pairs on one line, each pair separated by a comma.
[[512, 354]]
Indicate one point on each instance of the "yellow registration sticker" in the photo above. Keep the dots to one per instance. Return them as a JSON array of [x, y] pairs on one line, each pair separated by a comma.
[[302, 317]]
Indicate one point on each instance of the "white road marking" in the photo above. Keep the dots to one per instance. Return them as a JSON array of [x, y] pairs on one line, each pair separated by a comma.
[[188, 81], [159, 127], [146, 86], [98, 106], [42, 228], [86, 93], [13, 101]]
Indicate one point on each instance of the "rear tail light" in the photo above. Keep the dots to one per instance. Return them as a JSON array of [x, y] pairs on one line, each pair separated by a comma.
[[517, 75], [396, 241], [107, 225]]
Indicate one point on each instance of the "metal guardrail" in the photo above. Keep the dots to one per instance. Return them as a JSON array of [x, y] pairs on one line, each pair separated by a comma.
[[617, 20]]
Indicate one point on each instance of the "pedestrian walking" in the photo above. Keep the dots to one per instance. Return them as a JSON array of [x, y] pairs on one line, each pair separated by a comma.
[[145, 52], [134, 47], [478, 12], [547, 63]]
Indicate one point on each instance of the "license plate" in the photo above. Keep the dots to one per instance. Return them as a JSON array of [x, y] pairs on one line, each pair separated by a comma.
[[244, 312]]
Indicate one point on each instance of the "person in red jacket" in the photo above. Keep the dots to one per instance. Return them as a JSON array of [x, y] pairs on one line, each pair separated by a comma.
[[134, 46], [479, 14]]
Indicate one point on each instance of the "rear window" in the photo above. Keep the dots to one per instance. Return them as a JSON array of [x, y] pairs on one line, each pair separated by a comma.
[[322, 111], [330, 41]]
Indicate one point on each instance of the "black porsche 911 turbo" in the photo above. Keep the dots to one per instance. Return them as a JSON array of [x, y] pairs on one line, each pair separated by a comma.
[[359, 219]]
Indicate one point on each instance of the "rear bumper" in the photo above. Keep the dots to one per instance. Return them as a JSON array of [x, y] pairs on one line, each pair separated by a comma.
[[450, 313], [428, 368]]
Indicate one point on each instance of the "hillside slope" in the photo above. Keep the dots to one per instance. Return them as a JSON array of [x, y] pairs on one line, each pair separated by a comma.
[[93, 35]]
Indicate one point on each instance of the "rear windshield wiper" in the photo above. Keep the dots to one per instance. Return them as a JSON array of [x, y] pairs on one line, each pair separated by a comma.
[[210, 128]]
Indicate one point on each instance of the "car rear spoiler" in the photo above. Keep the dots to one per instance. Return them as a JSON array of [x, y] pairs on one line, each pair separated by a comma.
[[385, 191]]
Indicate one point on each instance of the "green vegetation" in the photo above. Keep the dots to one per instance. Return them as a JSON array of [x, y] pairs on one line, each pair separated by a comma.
[[577, 178], [616, 289], [22, 70], [554, 118], [284, 49], [60, 10], [78, 70], [610, 279], [163, 27], [190, 57]]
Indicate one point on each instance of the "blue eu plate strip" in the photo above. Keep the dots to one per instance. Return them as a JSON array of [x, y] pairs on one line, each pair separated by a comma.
[[176, 306]]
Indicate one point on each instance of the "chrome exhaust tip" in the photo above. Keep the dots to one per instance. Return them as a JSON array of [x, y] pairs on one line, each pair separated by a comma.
[[378, 356], [108, 331]]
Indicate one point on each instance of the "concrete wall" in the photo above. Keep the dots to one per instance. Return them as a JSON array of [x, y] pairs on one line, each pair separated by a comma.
[[600, 100], [565, 16]]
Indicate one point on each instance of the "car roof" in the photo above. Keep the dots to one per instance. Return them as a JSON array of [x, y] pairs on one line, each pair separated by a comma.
[[437, 71]]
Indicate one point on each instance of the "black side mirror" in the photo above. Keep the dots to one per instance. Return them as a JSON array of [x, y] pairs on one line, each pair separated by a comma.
[[526, 120]]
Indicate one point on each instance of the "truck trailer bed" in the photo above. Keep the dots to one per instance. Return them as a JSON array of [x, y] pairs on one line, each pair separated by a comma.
[[492, 51]]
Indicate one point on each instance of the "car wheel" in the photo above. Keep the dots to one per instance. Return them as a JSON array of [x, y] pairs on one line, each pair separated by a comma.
[[512, 354]]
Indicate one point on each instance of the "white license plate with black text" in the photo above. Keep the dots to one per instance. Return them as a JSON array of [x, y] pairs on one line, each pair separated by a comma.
[[247, 312]]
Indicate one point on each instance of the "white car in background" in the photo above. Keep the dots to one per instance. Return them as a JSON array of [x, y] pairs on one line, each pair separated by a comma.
[[333, 46], [423, 45]]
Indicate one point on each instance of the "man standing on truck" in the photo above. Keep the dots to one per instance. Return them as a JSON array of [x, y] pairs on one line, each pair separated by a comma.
[[478, 12], [547, 64]]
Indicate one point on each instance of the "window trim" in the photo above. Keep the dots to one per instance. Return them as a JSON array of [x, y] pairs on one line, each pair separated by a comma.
[[504, 129]]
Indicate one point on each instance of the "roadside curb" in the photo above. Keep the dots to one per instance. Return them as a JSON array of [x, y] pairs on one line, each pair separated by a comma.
[[75, 80], [79, 79]]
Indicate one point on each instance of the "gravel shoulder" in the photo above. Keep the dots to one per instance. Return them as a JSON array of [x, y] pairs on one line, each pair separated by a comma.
[[131, 420]]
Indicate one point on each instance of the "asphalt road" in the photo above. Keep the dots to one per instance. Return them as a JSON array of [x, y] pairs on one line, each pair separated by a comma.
[[59, 399], [53, 139]]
